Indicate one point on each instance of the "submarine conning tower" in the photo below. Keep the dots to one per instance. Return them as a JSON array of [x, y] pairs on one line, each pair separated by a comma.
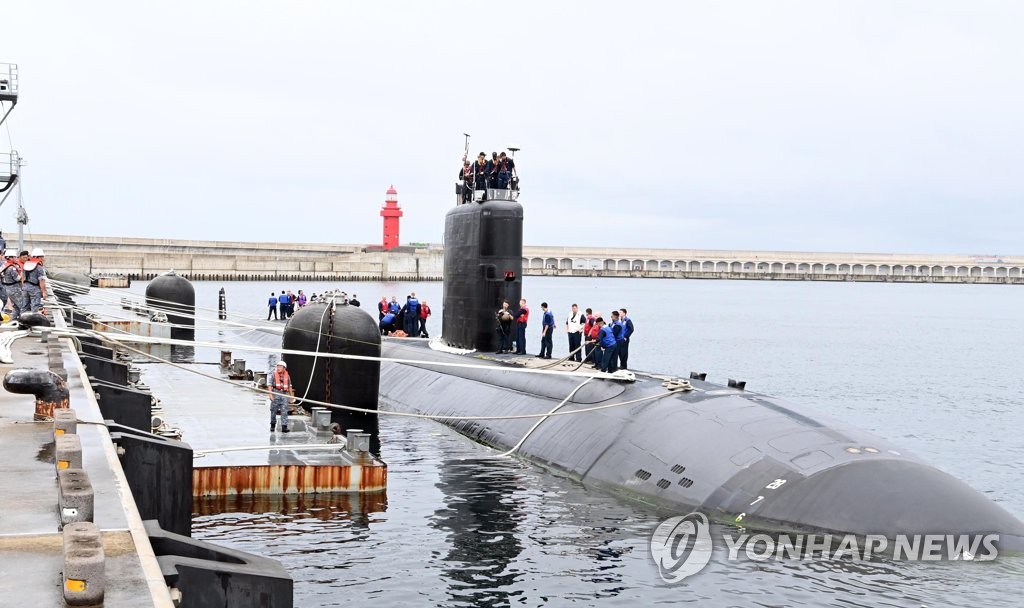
[[330, 325], [483, 265], [176, 296]]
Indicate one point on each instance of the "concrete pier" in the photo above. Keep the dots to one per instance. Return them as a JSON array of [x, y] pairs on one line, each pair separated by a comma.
[[141, 258], [32, 556]]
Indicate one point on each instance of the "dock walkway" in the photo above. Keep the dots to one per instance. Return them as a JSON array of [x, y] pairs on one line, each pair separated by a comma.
[[31, 541]]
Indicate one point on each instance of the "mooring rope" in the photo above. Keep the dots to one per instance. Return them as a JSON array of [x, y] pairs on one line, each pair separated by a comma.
[[440, 417]]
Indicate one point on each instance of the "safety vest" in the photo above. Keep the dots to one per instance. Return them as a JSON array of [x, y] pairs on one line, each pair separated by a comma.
[[32, 271], [281, 382], [3, 271], [424, 311]]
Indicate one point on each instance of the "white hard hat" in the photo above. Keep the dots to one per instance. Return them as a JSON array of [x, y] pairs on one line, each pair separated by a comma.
[[38, 252], [283, 364]]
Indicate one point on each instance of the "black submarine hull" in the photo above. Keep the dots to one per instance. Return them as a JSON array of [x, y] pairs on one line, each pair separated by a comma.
[[739, 456], [744, 457]]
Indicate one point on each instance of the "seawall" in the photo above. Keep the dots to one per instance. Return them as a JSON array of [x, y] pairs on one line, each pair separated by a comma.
[[142, 258]]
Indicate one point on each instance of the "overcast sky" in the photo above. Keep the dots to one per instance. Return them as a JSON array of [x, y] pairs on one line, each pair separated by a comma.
[[798, 125]]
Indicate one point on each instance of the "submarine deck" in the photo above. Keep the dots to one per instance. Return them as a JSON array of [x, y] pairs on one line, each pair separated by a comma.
[[227, 426]]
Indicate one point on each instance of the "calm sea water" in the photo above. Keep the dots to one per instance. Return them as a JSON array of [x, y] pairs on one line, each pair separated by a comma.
[[935, 368]]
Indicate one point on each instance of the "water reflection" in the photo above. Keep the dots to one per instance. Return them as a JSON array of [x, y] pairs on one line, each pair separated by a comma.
[[355, 508], [183, 354], [482, 516]]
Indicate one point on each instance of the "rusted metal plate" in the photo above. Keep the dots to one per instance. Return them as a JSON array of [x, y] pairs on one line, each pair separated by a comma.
[[288, 479]]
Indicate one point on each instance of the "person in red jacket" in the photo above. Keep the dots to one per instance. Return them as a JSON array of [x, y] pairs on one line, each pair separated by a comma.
[[594, 329], [424, 313], [522, 316]]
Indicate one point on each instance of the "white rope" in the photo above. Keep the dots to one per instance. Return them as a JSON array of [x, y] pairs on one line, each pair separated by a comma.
[[131, 338], [102, 294], [350, 408], [219, 323], [7, 339], [540, 421]]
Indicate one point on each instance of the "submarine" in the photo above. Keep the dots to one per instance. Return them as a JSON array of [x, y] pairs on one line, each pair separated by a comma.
[[738, 456]]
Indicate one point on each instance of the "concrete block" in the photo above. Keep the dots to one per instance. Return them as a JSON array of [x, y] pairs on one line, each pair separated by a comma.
[[75, 497], [65, 422], [68, 452], [84, 571]]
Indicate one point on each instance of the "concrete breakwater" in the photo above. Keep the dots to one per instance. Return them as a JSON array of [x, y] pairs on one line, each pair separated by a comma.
[[142, 258]]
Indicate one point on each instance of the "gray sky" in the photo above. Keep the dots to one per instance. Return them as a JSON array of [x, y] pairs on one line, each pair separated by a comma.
[[795, 125]]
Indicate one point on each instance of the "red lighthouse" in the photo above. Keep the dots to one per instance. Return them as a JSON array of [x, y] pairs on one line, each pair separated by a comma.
[[391, 212]]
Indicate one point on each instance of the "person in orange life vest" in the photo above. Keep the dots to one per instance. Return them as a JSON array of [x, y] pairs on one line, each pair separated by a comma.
[[522, 316], [466, 176], [382, 308], [424, 313], [481, 172], [35, 280], [281, 393], [11, 284]]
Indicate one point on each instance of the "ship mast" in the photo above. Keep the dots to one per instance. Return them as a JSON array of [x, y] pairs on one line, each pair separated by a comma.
[[9, 177]]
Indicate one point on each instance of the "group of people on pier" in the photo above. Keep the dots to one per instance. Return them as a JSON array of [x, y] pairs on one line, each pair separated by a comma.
[[408, 319], [495, 173], [22, 281], [286, 302], [603, 343]]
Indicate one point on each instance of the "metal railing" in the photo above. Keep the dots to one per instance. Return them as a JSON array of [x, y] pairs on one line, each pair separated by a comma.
[[9, 163], [479, 196], [8, 79]]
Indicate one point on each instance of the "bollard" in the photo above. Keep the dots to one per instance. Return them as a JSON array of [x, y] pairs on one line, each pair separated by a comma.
[[75, 496], [50, 390], [65, 421], [322, 419], [357, 441], [225, 358], [68, 452], [84, 571], [33, 319]]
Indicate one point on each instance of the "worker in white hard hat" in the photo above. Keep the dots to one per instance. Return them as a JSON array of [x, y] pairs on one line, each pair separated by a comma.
[[35, 280], [11, 290], [281, 392]]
